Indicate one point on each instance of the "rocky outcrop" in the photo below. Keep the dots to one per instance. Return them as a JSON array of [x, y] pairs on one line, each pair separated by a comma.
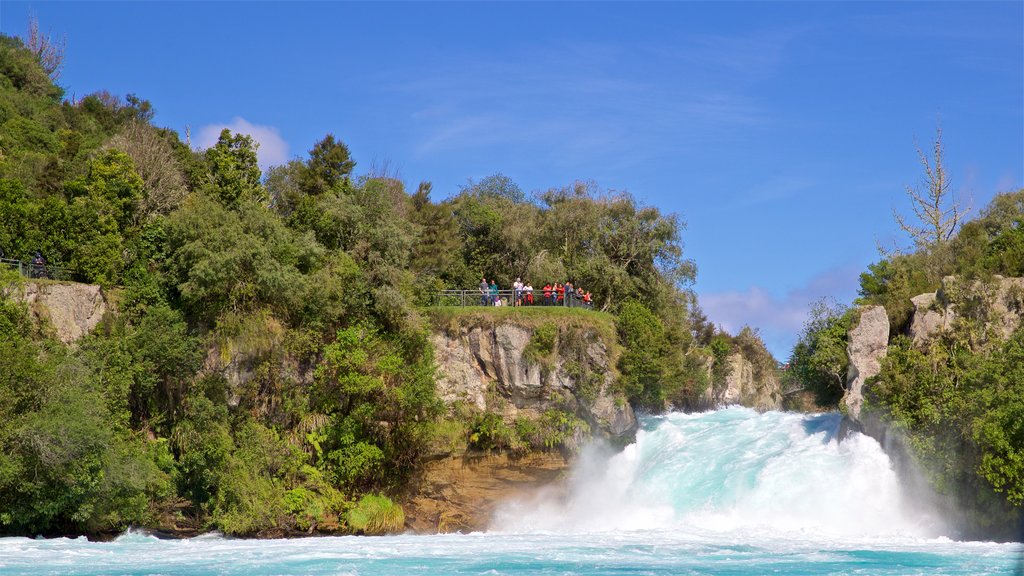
[[866, 346], [490, 368], [928, 319], [71, 309], [460, 493], [745, 387], [997, 303]]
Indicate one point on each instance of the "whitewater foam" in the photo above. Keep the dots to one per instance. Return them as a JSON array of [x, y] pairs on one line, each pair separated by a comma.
[[731, 470], [726, 492]]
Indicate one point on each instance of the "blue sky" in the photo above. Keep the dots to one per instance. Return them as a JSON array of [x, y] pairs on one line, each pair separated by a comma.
[[784, 134]]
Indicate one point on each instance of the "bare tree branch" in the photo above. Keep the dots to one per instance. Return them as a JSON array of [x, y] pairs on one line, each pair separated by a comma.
[[937, 211], [49, 53]]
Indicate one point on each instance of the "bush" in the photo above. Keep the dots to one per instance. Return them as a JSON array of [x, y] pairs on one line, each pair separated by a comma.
[[490, 432]]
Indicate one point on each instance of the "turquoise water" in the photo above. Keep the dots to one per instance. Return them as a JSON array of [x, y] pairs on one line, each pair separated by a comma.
[[728, 492]]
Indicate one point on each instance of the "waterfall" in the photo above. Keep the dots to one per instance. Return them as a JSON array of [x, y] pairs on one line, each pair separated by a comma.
[[730, 470]]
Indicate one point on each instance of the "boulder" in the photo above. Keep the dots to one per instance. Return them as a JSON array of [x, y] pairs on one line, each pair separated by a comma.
[[867, 345], [928, 319]]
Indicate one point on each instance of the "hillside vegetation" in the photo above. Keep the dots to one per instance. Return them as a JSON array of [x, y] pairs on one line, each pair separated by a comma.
[[268, 368]]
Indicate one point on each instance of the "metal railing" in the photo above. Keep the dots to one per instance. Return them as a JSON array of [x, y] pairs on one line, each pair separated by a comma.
[[506, 298], [39, 270]]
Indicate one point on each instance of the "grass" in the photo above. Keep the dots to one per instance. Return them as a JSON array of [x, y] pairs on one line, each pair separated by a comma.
[[457, 317], [376, 515]]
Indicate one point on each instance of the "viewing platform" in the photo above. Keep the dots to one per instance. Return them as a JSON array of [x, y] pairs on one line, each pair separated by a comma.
[[510, 298]]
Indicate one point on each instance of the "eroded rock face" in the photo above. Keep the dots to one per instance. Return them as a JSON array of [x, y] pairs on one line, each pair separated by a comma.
[[758, 392], [998, 303], [72, 309], [868, 342], [485, 367], [460, 493], [743, 386]]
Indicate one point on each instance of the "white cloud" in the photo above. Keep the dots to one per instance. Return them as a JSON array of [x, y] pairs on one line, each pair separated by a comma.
[[778, 318], [272, 150]]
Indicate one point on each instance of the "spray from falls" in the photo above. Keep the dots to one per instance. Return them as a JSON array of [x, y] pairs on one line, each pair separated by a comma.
[[730, 470]]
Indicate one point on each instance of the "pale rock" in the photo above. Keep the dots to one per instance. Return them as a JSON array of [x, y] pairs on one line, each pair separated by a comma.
[[867, 345], [998, 303], [72, 309], [484, 367], [745, 388], [927, 319], [740, 372]]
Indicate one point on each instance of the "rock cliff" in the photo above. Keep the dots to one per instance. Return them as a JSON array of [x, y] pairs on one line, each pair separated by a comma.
[[744, 386], [515, 369], [460, 494], [501, 369], [992, 310], [71, 309]]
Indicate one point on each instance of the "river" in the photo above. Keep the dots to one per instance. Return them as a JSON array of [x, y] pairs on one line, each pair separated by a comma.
[[728, 492]]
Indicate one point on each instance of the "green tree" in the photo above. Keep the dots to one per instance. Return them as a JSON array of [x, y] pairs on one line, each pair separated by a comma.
[[328, 166], [819, 362], [643, 338], [234, 174], [241, 259]]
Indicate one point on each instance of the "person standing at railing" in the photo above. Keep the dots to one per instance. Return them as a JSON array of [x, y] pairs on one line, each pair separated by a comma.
[[517, 292], [529, 294], [38, 265], [560, 293], [494, 291], [485, 291], [547, 294]]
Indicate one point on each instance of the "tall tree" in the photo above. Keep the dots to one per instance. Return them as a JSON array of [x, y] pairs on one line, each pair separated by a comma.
[[329, 164], [935, 207], [234, 172]]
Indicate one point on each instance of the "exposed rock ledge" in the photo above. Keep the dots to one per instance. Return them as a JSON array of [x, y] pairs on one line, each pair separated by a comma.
[[460, 494], [489, 367], [72, 309]]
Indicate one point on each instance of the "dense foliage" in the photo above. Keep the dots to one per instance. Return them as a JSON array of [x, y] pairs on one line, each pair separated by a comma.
[[307, 281]]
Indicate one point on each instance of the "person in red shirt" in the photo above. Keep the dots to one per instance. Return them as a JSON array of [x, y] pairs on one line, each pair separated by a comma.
[[561, 292], [547, 293]]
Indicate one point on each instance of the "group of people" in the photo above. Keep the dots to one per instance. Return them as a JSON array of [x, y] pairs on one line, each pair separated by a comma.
[[523, 295]]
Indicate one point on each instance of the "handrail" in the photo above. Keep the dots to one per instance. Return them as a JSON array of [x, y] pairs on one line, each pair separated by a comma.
[[507, 298], [34, 270]]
